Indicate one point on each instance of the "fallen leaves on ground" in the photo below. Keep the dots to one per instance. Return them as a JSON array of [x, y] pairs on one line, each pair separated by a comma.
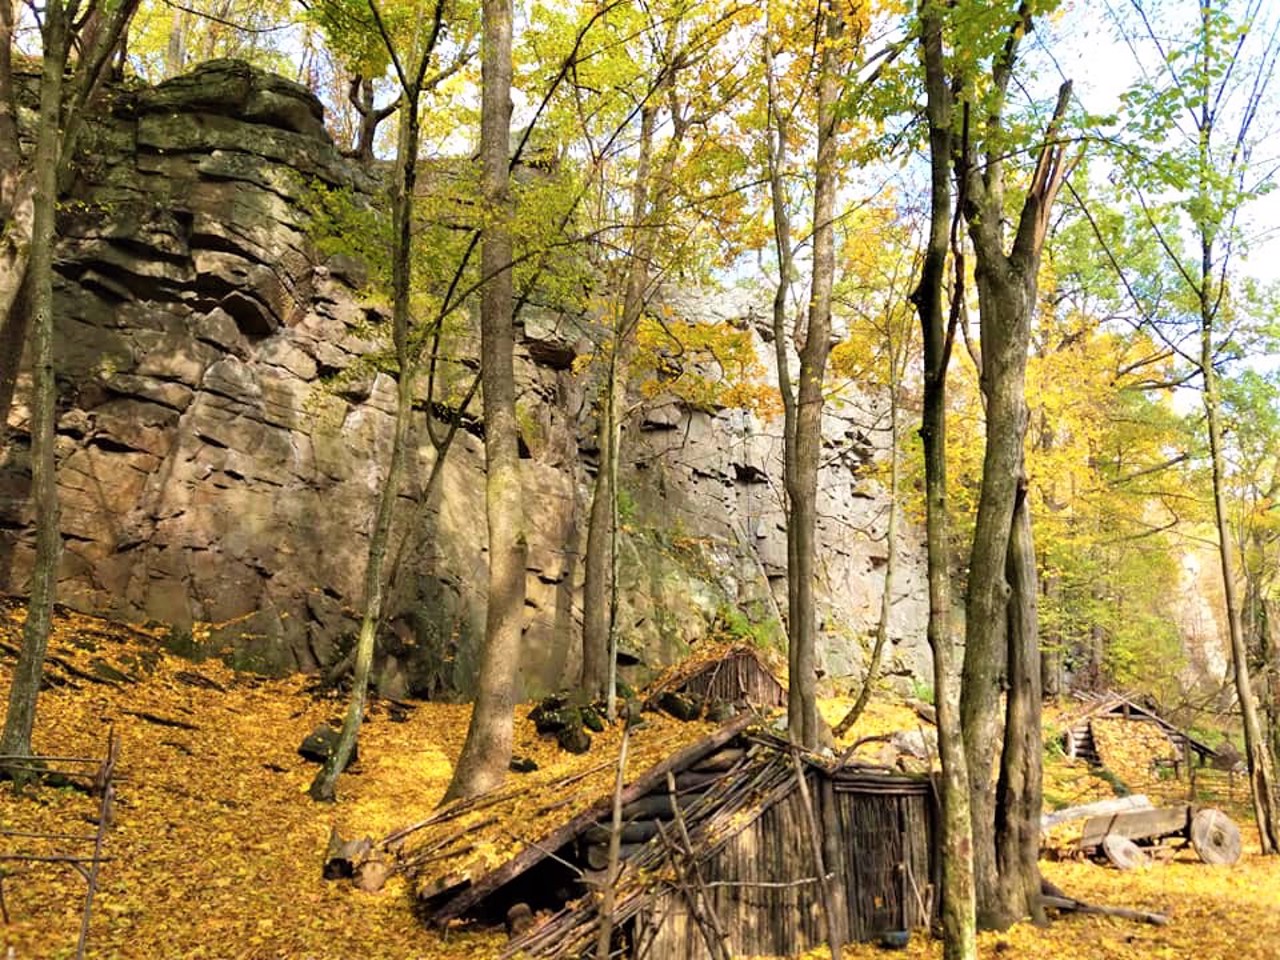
[[216, 848], [1216, 913]]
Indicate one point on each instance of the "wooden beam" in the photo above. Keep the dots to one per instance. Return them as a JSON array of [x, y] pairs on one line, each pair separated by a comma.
[[535, 853], [1137, 825]]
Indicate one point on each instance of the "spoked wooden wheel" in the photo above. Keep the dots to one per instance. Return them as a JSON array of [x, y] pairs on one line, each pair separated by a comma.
[[1215, 838]]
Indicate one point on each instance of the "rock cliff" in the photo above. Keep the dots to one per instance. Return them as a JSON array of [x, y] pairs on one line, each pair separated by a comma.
[[218, 472]]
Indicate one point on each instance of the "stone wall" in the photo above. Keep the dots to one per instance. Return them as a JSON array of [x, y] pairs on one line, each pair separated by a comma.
[[217, 471]]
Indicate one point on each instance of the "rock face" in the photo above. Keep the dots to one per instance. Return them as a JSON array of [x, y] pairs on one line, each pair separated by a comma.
[[215, 468]]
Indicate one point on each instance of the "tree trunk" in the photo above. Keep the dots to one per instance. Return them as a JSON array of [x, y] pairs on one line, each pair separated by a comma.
[[777, 160], [599, 590], [323, 787], [175, 53], [1051, 647], [1019, 791], [486, 753], [16, 213], [886, 597], [958, 920], [1007, 286], [20, 717], [1005, 330], [804, 447], [597, 575], [1261, 777], [602, 534]]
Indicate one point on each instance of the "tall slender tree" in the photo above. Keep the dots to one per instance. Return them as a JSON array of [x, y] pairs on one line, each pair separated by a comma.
[[802, 397], [30, 185], [1001, 640], [938, 325], [1201, 99], [487, 749], [412, 59]]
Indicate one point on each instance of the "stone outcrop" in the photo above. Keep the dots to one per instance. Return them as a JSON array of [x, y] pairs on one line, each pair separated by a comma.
[[220, 449]]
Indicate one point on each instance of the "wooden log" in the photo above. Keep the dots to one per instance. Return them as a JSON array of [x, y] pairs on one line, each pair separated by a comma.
[[1099, 808], [654, 807], [1069, 905], [640, 831], [695, 780], [372, 875], [1136, 825], [721, 761], [1215, 838], [597, 854], [341, 857]]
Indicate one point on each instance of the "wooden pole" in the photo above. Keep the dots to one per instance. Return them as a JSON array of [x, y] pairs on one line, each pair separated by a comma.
[[607, 895], [815, 842]]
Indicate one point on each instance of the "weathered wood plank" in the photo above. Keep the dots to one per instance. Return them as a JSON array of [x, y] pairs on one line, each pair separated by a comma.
[[1136, 825], [535, 852], [1099, 808]]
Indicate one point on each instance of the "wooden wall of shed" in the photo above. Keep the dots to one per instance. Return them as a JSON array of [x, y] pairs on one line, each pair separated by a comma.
[[736, 678], [883, 859], [763, 882], [763, 889]]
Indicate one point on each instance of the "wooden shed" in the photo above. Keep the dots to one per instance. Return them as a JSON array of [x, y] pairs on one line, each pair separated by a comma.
[[735, 673], [737, 820], [762, 875], [1078, 740]]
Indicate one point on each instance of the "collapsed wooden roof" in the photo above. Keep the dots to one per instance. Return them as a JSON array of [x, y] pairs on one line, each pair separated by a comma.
[[733, 672], [1111, 705], [465, 852], [766, 775]]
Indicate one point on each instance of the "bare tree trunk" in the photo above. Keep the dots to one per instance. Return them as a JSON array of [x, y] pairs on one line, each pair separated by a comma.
[[602, 534], [1051, 647], [890, 564], [486, 753], [323, 787], [25, 689], [1004, 322], [1007, 286], [175, 54], [777, 161], [1261, 777], [958, 905], [16, 213], [1019, 792], [649, 197], [804, 447]]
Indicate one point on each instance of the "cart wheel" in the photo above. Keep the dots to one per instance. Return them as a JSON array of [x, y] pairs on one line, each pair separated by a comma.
[[1215, 838], [1124, 853]]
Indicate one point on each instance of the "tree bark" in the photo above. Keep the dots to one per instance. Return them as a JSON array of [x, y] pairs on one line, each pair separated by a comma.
[[25, 688], [16, 213], [777, 139], [804, 446], [323, 787], [1019, 791], [649, 198], [486, 753], [602, 534], [958, 904], [1007, 285], [1261, 776]]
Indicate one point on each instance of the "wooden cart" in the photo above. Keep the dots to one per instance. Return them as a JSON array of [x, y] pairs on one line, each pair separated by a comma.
[[1123, 837]]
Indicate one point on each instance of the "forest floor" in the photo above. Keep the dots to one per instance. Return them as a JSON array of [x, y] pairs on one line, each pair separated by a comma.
[[216, 848]]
